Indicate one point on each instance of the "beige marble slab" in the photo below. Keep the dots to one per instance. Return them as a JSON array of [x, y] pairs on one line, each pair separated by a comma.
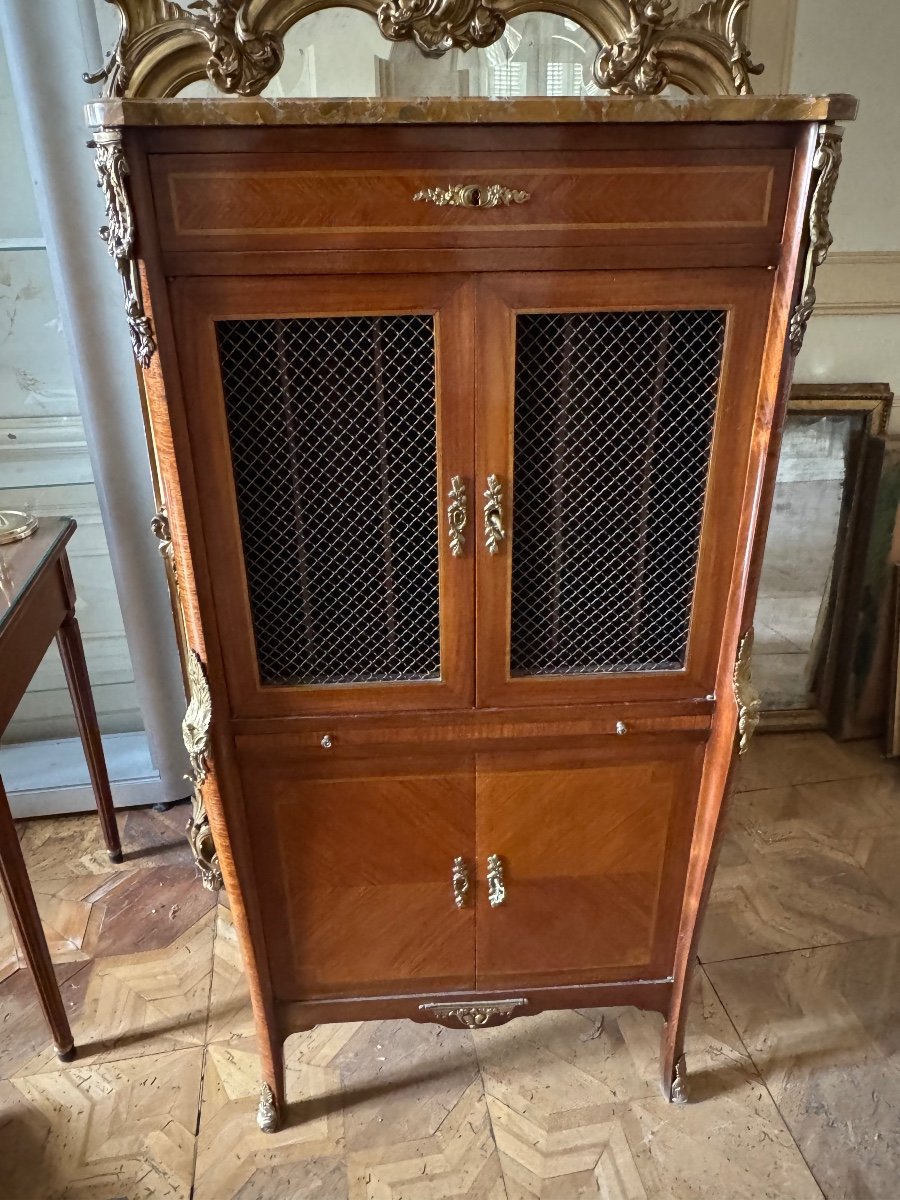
[[822, 1027], [472, 110]]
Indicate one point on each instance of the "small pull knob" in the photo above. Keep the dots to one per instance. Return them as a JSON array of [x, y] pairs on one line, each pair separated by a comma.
[[326, 742], [496, 885], [621, 728], [460, 878]]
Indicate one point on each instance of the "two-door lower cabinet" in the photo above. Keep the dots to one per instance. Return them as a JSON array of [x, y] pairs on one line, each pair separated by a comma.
[[465, 432]]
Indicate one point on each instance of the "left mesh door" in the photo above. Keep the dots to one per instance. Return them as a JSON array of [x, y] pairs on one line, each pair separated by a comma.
[[338, 435], [332, 429]]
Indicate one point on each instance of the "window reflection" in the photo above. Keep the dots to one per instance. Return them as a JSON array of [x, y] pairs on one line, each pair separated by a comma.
[[340, 52]]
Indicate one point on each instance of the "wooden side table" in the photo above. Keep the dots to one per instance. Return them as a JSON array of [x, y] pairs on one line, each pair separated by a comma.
[[37, 603]]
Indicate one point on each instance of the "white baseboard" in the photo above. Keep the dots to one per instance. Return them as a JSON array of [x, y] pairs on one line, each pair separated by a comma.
[[47, 778]]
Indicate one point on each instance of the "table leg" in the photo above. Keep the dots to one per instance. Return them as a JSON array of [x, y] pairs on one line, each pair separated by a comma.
[[27, 923], [72, 652]]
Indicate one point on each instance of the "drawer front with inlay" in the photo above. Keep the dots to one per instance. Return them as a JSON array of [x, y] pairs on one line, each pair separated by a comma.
[[308, 201]]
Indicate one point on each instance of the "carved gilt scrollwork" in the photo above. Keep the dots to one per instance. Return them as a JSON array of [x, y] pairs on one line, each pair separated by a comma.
[[242, 55], [827, 165], [437, 26], [659, 48], [474, 1016], [118, 233], [746, 695], [195, 731], [238, 44]]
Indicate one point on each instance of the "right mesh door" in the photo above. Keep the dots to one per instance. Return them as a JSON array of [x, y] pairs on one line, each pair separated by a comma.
[[612, 430]]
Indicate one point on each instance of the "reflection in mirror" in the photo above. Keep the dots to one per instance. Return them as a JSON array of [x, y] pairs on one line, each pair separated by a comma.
[[340, 52], [802, 557]]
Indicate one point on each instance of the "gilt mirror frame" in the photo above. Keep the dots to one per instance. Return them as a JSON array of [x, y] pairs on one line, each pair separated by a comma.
[[645, 45], [870, 404]]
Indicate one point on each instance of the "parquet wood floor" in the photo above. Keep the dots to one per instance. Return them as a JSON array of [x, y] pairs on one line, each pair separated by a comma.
[[793, 1043]]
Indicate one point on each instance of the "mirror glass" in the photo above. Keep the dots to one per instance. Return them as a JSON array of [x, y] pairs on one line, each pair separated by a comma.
[[339, 52], [795, 597]]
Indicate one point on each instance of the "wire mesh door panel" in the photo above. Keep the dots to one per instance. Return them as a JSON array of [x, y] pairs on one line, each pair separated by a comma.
[[345, 431], [606, 421]]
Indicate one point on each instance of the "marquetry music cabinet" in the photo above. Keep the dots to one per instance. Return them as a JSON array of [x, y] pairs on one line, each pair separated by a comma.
[[465, 415]]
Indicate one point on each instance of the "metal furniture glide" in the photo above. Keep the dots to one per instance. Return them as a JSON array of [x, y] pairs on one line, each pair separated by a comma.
[[465, 417]]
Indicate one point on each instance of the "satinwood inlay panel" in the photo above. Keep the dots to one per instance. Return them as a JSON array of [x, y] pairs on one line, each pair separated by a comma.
[[357, 859], [585, 844], [299, 201]]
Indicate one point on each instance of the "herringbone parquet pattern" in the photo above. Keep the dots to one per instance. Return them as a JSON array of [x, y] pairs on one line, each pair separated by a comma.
[[792, 1045]]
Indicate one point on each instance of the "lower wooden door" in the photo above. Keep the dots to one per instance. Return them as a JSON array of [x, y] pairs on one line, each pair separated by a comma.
[[582, 854], [354, 856]]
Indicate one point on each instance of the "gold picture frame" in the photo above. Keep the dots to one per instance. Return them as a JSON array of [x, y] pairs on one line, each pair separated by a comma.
[[871, 403]]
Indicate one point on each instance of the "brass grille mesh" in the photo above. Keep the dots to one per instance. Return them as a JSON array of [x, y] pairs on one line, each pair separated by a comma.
[[332, 428], [613, 430]]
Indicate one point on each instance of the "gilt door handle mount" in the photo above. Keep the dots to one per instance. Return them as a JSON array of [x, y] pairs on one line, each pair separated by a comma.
[[457, 516], [494, 533], [496, 885], [472, 195], [460, 882]]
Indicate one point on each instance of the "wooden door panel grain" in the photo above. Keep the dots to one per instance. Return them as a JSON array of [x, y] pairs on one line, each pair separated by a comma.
[[655, 478], [294, 440], [357, 858], [593, 849]]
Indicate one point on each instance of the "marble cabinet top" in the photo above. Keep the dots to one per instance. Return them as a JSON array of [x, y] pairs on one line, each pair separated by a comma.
[[474, 110]]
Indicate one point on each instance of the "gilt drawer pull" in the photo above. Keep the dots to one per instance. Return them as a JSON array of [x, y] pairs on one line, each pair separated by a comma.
[[496, 886], [472, 195], [460, 882], [457, 516], [494, 532]]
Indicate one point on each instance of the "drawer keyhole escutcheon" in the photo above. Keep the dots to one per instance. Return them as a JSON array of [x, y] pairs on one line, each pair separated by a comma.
[[326, 742], [472, 195], [496, 885]]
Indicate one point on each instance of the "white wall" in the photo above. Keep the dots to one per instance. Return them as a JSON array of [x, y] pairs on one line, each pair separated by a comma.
[[44, 455], [836, 46]]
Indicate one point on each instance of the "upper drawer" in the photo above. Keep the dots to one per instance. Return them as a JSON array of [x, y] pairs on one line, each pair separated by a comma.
[[363, 201]]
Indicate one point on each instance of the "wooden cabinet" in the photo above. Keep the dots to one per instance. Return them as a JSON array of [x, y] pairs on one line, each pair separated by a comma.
[[463, 503]]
